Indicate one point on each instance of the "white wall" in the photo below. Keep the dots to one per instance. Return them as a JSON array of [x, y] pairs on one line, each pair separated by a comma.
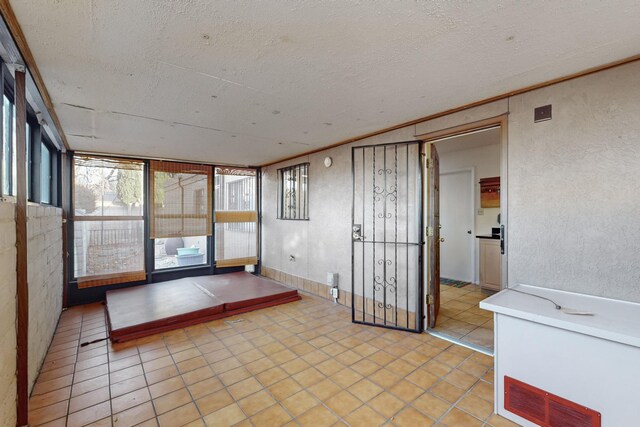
[[572, 187], [44, 230], [485, 161], [322, 244], [7, 314]]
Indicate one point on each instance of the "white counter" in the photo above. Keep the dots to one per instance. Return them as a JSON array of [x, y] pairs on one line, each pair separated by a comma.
[[613, 320], [591, 360]]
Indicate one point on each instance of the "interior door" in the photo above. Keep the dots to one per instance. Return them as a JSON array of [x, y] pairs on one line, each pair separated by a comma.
[[456, 220], [386, 236], [433, 234]]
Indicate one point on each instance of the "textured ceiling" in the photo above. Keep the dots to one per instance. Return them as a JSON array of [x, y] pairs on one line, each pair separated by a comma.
[[248, 82]]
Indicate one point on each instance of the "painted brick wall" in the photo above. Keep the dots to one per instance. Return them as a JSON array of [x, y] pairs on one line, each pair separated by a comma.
[[45, 281], [7, 314]]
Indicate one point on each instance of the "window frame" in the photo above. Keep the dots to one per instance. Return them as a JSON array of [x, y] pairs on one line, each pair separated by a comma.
[[284, 214], [36, 136], [102, 280]]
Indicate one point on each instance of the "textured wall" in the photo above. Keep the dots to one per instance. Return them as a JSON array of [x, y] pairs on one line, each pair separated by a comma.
[[573, 186], [45, 281], [322, 244], [572, 191], [7, 314]]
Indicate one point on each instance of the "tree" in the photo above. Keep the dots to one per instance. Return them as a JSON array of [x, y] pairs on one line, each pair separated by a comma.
[[85, 199], [160, 178], [129, 187]]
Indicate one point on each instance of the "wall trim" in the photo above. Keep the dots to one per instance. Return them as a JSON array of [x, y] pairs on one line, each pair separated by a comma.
[[22, 291]]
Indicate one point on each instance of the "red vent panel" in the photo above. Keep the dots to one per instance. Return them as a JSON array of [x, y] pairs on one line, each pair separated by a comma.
[[546, 409]]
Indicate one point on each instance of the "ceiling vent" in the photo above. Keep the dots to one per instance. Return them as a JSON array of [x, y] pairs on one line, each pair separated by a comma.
[[544, 408]]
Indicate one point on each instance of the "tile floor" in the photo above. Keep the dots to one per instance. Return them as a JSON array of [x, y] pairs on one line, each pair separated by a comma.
[[461, 317], [299, 364]]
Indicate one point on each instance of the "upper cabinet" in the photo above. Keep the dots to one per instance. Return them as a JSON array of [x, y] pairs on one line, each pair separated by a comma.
[[490, 192]]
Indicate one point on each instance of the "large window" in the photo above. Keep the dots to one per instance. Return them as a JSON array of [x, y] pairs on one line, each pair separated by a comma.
[[181, 213], [293, 189], [236, 217], [108, 215]]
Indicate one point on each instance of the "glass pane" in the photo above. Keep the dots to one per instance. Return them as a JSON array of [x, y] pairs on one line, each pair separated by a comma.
[[45, 174], [14, 160], [181, 204], [28, 146], [7, 144], [108, 247], [236, 240], [180, 252], [235, 190], [104, 187]]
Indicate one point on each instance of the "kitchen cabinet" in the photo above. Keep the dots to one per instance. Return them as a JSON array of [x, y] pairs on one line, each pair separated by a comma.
[[490, 276]]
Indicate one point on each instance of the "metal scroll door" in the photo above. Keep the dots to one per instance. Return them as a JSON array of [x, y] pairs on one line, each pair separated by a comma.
[[386, 236]]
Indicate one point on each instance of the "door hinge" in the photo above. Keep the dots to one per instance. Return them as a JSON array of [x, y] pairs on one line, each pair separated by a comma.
[[430, 231], [429, 163], [430, 299]]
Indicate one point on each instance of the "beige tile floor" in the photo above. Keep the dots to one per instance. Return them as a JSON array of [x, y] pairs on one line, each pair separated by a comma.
[[461, 317], [299, 364]]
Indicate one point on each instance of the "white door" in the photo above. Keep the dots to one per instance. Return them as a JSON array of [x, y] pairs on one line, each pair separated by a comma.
[[456, 219]]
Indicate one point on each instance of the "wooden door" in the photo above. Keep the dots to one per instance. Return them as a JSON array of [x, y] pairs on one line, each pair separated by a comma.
[[433, 234]]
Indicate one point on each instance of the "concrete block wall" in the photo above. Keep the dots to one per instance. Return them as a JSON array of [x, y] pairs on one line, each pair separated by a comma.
[[45, 279], [7, 313]]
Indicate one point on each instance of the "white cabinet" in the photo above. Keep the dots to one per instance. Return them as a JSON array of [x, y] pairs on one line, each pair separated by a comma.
[[490, 264]]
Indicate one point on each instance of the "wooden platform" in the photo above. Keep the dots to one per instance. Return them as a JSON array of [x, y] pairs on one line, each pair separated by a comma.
[[149, 309]]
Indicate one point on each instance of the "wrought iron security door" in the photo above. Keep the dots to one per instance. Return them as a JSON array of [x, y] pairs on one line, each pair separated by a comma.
[[386, 236]]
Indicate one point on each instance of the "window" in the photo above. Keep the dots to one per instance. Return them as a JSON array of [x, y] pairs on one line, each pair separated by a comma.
[[45, 173], [7, 147], [236, 217], [293, 192], [181, 213], [108, 209]]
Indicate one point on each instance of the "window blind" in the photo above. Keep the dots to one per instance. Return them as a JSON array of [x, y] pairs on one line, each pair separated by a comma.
[[236, 217], [181, 202], [108, 222]]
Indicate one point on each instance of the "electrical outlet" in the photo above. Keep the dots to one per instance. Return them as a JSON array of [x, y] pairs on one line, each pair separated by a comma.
[[334, 292], [480, 211]]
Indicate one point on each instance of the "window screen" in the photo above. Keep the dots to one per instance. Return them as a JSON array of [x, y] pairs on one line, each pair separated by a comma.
[[108, 206], [236, 217], [181, 199], [293, 189]]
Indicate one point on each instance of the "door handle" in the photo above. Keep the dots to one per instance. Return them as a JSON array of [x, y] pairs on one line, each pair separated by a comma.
[[357, 233], [442, 239], [468, 231]]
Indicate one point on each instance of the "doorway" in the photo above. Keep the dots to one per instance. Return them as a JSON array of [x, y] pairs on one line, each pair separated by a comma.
[[466, 213]]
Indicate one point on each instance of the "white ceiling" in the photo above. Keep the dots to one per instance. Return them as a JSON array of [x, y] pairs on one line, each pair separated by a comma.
[[469, 141], [248, 82]]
